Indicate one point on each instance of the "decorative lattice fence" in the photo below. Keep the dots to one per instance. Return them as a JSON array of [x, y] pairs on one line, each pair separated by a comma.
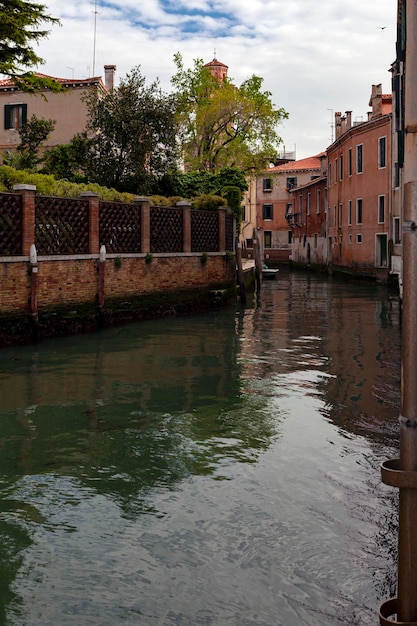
[[10, 224], [204, 231], [229, 225], [61, 226], [120, 227], [166, 229]]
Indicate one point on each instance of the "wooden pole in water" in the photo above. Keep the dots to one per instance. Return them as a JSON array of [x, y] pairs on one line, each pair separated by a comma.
[[240, 279], [258, 264], [402, 472]]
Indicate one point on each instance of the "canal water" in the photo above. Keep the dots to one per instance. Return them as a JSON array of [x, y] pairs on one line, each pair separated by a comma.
[[220, 469]]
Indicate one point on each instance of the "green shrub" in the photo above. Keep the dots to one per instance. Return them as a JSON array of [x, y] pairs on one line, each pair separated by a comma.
[[208, 202]]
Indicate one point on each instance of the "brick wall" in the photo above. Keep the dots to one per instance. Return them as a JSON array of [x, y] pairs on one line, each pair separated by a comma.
[[61, 281]]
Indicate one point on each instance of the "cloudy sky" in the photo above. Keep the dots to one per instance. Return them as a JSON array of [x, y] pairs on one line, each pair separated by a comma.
[[316, 57]]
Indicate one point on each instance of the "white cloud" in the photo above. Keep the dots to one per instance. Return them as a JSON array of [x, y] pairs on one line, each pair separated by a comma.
[[315, 57]]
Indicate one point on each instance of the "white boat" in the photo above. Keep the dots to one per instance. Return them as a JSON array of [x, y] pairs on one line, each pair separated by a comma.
[[268, 272]]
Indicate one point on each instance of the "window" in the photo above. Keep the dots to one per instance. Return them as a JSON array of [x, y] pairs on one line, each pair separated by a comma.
[[340, 215], [341, 167], [315, 240], [349, 212], [308, 203], [335, 170], [267, 184], [243, 213], [267, 239], [359, 211], [288, 208], [249, 243], [359, 159], [300, 208], [350, 238], [382, 152], [381, 209], [15, 115], [318, 200], [350, 162], [396, 174], [291, 182], [329, 175], [397, 235], [358, 238], [335, 216], [267, 212]]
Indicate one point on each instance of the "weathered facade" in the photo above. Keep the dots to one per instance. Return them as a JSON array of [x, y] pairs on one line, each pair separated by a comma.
[[274, 201], [67, 109], [359, 183]]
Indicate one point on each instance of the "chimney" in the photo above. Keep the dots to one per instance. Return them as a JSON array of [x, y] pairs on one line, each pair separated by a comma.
[[376, 100], [348, 120], [109, 73]]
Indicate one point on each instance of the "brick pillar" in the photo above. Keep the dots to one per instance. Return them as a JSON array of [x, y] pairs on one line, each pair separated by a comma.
[[222, 229], [145, 224], [186, 217], [28, 216], [93, 221]]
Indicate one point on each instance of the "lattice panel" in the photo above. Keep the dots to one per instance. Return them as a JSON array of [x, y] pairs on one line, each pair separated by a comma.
[[120, 227], [229, 232], [61, 226], [10, 224], [204, 231], [167, 229]]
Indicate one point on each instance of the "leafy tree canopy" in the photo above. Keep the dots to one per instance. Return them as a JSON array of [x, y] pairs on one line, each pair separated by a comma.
[[20, 28], [133, 134], [223, 125]]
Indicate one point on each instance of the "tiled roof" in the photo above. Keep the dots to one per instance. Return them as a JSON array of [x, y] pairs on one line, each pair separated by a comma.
[[310, 163], [215, 63], [8, 82]]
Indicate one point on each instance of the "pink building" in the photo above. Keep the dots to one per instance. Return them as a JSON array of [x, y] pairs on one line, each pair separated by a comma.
[[358, 182], [274, 202], [307, 217]]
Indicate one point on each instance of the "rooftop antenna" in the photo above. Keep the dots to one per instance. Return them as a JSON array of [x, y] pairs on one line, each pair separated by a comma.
[[95, 32], [331, 123]]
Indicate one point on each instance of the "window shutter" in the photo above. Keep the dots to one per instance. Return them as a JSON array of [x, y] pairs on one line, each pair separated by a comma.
[[7, 108], [24, 113]]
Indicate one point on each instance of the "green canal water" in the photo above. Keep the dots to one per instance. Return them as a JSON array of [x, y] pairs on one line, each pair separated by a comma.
[[220, 469]]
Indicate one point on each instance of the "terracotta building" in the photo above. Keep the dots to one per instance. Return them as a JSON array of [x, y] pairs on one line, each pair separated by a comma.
[[275, 203], [67, 109], [359, 183]]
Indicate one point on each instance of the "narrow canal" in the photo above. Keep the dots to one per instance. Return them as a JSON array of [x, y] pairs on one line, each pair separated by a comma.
[[216, 470]]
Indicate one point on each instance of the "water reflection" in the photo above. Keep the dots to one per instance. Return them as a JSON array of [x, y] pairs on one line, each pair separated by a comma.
[[216, 469]]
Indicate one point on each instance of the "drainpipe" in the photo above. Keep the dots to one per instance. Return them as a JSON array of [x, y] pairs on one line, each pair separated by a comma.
[[402, 472]]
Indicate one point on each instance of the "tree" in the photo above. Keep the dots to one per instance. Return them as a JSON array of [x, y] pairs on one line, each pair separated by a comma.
[[69, 161], [20, 27], [223, 125], [133, 134], [190, 184], [32, 135]]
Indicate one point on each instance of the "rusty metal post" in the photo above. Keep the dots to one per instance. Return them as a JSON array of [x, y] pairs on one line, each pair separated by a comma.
[[402, 472]]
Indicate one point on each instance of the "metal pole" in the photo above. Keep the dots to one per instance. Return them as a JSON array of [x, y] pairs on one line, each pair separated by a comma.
[[402, 473]]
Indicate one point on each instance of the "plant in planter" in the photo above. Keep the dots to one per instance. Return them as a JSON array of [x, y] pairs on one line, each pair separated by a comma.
[[204, 258]]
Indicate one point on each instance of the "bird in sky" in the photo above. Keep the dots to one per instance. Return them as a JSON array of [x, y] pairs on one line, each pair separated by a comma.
[[382, 27]]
